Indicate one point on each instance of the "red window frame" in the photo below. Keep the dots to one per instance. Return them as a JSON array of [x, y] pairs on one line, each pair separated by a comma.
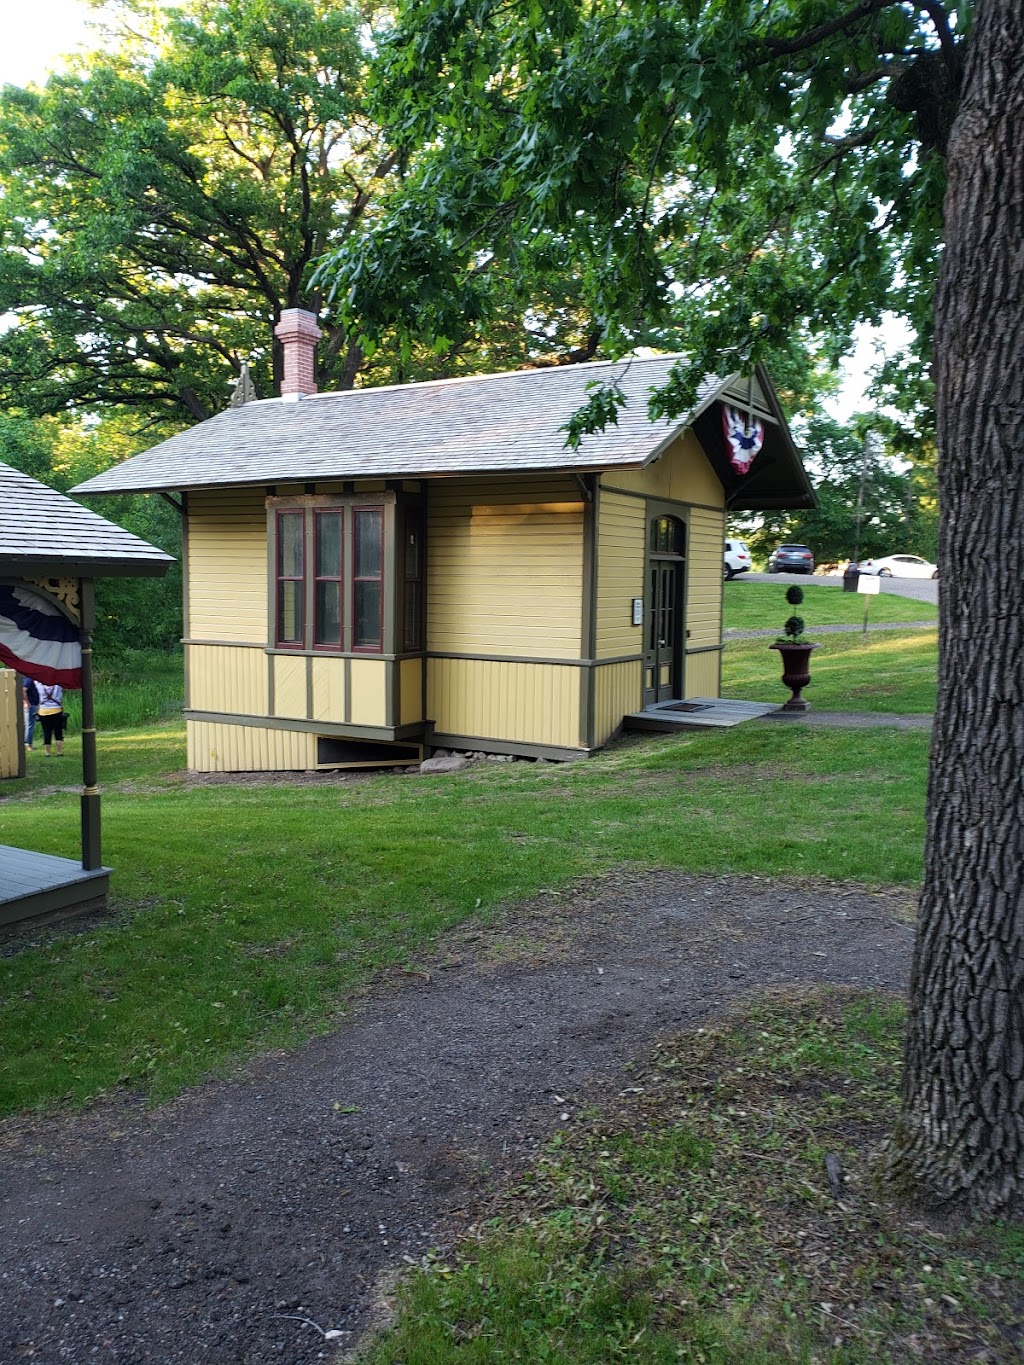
[[378, 646], [299, 578], [330, 646]]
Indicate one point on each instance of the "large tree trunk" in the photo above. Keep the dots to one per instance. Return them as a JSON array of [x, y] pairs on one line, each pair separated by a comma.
[[961, 1136]]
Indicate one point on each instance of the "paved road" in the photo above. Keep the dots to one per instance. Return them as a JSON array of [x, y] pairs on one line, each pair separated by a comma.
[[922, 589]]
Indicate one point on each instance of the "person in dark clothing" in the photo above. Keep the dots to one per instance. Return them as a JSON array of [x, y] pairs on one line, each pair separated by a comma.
[[51, 716], [31, 711]]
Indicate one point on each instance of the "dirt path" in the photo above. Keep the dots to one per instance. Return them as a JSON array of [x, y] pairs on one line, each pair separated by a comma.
[[188, 1233]]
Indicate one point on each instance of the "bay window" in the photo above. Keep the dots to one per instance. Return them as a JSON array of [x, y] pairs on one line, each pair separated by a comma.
[[347, 574]]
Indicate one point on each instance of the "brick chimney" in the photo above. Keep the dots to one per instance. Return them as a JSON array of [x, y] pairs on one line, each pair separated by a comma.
[[299, 334]]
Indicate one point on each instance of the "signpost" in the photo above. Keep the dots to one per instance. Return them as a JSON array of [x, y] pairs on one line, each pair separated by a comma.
[[870, 586]]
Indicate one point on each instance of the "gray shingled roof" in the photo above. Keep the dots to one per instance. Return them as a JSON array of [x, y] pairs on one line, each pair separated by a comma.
[[483, 424], [43, 533]]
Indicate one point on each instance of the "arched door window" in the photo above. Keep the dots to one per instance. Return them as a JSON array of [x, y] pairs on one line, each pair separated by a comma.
[[668, 536]]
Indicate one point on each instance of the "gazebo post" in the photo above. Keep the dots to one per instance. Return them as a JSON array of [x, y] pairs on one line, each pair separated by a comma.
[[92, 857]]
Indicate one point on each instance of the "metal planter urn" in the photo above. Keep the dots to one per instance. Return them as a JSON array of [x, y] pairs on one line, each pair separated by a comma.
[[796, 655], [796, 672]]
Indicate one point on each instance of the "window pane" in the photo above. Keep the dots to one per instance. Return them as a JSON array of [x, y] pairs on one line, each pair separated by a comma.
[[328, 544], [369, 530], [328, 612], [413, 632], [668, 536], [289, 544], [289, 612], [367, 627]]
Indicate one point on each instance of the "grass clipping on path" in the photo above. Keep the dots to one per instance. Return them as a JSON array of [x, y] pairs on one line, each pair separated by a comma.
[[695, 1221]]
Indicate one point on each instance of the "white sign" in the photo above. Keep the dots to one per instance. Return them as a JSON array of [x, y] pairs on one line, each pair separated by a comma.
[[869, 583], [638, 611]]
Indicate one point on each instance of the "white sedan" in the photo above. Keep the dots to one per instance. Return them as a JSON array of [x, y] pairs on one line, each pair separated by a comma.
[[899, 566]]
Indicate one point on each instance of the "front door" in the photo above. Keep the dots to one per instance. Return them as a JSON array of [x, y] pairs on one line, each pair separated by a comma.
[[663, 652]]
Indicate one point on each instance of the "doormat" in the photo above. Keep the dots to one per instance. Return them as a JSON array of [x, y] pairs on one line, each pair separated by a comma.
[[687, 706]]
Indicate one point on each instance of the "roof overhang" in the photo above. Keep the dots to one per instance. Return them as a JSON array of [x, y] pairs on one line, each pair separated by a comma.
[[776, 480], [59, 566]]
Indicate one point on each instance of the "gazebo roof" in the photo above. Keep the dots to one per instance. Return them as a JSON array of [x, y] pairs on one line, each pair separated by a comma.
[[43, 534]]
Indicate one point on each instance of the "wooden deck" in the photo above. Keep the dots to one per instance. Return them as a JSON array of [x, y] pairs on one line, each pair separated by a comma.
[[697, 713], [35, 886]]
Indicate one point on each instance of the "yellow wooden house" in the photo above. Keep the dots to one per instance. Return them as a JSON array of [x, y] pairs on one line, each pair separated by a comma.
[[374, 574]]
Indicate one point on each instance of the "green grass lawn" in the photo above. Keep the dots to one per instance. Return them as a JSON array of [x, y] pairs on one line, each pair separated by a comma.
[[692, 1220], [763, 606], [249, 915], [140, 687], [885, 671]]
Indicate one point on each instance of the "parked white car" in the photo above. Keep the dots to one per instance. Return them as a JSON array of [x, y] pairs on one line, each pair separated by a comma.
[[737, 558], [899, 566]]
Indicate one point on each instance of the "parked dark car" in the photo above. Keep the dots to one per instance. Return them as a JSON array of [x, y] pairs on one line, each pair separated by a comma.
[[791, 559]]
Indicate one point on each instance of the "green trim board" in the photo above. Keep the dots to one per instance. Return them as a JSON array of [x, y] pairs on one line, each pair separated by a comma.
[[312, 727], [531, 659]]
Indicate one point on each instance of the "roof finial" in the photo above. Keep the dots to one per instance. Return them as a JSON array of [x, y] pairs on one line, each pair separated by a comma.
[[244, 390]]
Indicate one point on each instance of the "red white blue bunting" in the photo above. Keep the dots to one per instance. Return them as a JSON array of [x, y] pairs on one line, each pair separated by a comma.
[[37, 639], [744, 437]]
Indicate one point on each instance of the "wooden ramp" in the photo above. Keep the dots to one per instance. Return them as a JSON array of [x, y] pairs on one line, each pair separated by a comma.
[[698, 713], [40, 886]]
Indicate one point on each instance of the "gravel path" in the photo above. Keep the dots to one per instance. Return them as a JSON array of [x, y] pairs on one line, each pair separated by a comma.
[[203, 1231], [848, 720], [834, 630]]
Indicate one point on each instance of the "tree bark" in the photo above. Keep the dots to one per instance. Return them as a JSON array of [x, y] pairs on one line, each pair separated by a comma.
[[961, 1134]]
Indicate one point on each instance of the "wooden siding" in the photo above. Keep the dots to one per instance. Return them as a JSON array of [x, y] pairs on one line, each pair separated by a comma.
[[369, 692], [410, 698], [702, 674], [291, 698], [505, 567], [225, 679], [704, 580], [214, 748], [681, 474], [523, 703], [227, 569], [328, 689], [617, 692], [621, 537], [12, 723]]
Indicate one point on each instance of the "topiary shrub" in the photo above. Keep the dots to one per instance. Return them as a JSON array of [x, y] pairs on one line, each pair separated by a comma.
[[794, 627]]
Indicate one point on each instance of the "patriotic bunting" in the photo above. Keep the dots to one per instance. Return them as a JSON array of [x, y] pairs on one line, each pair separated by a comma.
[[37, 639], [744, 437]]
